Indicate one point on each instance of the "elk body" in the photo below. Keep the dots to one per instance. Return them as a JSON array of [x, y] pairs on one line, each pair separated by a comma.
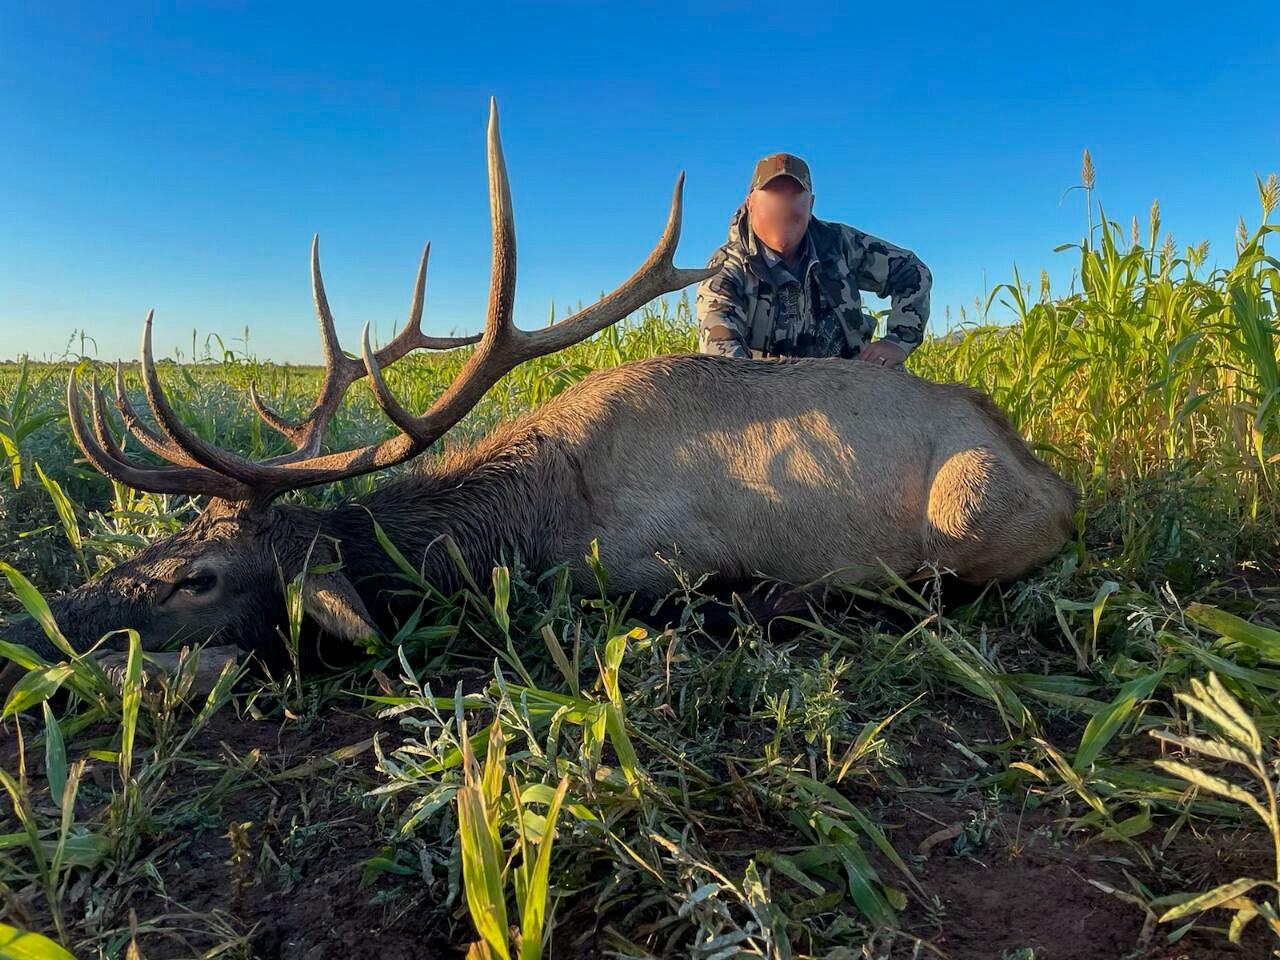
[[788, 470]]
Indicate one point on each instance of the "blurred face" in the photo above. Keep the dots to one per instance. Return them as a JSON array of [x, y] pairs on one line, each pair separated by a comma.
[[779, 213]]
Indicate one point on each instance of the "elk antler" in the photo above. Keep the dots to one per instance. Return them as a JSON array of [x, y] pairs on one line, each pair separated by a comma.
[[200, 467], [340, 370]]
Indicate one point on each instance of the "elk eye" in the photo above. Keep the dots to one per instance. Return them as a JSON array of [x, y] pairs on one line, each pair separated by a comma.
[[198, 583]]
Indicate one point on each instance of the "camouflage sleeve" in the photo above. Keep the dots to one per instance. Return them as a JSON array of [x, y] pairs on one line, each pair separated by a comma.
[[893, 272], [721, 308]]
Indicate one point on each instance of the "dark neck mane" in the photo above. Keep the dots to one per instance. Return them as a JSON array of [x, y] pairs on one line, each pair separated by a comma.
[[496, 499]]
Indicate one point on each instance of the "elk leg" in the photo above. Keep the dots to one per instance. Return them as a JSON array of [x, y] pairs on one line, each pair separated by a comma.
[[985, 520], [763, 603]]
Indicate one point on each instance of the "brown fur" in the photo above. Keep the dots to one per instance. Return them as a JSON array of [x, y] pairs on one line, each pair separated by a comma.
[[793, 469], [789, 469]]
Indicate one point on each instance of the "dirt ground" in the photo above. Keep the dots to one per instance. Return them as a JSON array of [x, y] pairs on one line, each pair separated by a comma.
[[1020, 885], [1029, 887]]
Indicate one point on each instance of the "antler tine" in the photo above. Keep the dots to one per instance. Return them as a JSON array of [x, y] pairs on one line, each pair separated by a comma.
[[498, 326], [294, 430], [410, 336], [419, 299], [333, 355], [500, 348], [229, 465], [392, 407], [102, 430], [192, 480], [144, 434], [101, 425], [504, 346], [341, 371], [308, 433], [656, 276]]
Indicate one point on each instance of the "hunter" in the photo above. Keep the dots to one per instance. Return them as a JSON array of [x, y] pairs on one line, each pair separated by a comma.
[[790, 282]]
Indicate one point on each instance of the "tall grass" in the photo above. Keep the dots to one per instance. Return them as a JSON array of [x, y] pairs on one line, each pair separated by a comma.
[[1151, 371]]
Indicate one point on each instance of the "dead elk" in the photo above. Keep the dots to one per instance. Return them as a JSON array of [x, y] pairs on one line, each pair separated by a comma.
[[786, 470]]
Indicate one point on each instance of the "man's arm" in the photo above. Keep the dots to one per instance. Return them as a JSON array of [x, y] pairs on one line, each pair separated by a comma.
[[894, 272], [722, 309]]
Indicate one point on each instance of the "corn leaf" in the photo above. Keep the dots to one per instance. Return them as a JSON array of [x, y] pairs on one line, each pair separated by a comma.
[[534, 914], [1213, 898], [1103, 726], [55, 755], [35, 687], [36, 607], [131, 699], [1221, 787], [1264, 640], [18, 944]]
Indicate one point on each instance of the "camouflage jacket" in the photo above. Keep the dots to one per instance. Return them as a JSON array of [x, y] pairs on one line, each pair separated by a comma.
[[755, 307]]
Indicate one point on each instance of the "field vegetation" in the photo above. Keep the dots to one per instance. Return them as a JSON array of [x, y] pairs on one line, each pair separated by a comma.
[[1083, 764]]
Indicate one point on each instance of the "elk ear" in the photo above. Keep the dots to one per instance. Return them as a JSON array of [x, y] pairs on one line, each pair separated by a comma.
[[332, 601]]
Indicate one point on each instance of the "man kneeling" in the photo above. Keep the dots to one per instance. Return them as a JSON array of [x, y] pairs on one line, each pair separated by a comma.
[[790, 282]]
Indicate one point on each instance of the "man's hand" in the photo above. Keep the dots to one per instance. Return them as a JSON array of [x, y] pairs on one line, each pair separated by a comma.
[[883, 353]]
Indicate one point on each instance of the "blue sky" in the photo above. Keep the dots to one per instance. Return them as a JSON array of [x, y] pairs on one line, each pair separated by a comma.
[[181, 157]]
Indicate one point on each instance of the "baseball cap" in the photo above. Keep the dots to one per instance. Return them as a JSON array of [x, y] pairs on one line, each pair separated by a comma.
[[781, 165]]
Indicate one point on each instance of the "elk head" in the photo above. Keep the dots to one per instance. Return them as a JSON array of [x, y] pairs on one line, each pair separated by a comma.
[[222, 575]]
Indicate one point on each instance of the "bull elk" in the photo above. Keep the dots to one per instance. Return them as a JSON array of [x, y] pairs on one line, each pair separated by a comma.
[[788, 470]]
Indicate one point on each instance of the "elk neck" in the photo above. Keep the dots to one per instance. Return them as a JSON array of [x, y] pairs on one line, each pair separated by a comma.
[[501, 498]]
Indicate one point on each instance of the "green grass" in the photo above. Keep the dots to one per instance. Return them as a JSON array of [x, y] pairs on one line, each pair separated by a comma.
[[533, 770]]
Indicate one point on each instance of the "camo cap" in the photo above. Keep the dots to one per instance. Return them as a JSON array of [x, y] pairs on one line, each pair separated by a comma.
[[781, 165]]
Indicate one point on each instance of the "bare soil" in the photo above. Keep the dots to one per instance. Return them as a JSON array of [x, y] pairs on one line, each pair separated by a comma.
[[1030, 884], [1020, 883]]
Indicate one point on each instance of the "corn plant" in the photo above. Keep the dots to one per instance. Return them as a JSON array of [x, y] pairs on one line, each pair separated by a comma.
[[485, 867], [55, 848], [20, 418], [79, 672], [1232, 740]]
